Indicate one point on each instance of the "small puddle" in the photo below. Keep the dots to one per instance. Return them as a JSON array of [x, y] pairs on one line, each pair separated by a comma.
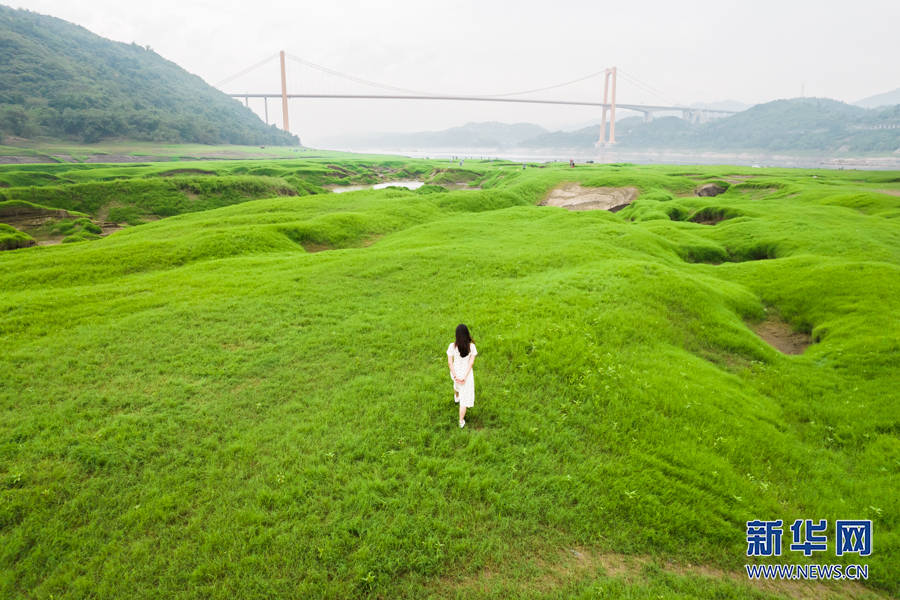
[[410, 185]]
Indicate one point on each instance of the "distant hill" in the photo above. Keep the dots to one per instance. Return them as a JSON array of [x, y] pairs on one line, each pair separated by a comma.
[[886, 99], [60, 80], [799, 124], [734, 105], [489, 134]]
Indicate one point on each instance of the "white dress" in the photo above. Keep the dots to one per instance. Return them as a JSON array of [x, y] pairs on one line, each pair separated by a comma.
[[465, 390]]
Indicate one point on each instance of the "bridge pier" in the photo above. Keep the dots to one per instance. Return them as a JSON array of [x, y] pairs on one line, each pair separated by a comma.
[[610, 73], [284, 98], [695, 116]]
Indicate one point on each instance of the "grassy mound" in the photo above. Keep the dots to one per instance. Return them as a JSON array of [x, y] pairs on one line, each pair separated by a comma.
[[129, 200], [253, 401], [11, 238]]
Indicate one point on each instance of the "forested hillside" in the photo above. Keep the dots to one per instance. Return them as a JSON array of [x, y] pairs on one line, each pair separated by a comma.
[[798, 124], [60, 80], [793, 125]]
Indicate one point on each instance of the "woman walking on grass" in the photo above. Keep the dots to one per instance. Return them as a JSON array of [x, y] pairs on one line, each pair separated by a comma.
[[460, 357]]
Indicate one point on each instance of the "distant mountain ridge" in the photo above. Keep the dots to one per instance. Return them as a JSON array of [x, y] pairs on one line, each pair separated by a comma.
[[733, 105], [798, 124], [488, 134], [60, 80], [886, 99]]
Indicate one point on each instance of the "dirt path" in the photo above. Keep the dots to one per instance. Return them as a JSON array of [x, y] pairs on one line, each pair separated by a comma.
[[554, 573], [573, 196]]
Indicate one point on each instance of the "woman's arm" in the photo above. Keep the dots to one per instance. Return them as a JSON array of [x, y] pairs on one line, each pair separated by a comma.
[[469, 368]]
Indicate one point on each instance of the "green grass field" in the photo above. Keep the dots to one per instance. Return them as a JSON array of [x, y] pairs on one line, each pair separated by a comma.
[[249, 397], [117, 151]]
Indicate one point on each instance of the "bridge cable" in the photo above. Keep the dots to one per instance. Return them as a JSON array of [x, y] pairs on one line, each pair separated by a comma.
[[627, 76], [550, 87], [356, 79], [646, 87], [247, 70], [421, 93]]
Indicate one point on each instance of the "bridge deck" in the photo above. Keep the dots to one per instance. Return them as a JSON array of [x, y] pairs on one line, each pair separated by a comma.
[[636, 107]]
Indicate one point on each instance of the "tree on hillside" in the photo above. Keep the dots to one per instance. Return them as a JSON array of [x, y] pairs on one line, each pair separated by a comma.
[[60, 80]]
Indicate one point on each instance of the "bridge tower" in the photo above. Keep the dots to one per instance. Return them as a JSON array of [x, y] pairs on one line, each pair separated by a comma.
[[284, 98], [608, 74]]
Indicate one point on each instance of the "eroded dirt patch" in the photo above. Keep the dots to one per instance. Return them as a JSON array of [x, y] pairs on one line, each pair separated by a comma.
[[733, 179], [712, 215], [890, 192], [710, 189], [35, 221], [313, 247], [109, 227], [123, 158], [573, 196], [708, 220], [24, 160], [781, 336], [175, 172], [552, 573]]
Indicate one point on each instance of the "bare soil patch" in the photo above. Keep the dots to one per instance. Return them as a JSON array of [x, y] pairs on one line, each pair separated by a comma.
[[371, 240], [708, 220], [175, 172], [24, 160], [109, 227], [123, 158], [780, 336], [573, 196], [550, 574], [312, 247], [710, 189], [28, 218], [709, 216], [890, 192], [738, 178], [755, 193]]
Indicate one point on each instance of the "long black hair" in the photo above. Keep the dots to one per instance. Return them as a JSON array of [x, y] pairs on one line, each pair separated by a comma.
[[463, 339]]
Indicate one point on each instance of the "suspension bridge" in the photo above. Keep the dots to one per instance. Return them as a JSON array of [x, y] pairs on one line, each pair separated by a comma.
[[608, 105]]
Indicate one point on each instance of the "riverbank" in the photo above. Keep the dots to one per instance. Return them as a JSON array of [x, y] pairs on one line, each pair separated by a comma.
[[611, 155]]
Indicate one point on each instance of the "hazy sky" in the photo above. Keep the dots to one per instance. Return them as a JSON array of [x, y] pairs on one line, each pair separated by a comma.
[[688, 51]]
